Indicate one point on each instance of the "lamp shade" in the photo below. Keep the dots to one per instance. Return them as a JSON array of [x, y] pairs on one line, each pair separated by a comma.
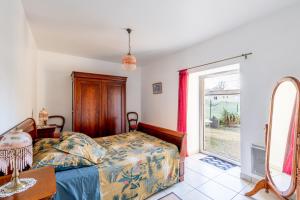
[[43, 117], [15, 150], [129, 62]]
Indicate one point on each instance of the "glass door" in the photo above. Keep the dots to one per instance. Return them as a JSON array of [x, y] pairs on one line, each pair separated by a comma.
[[221, 110]]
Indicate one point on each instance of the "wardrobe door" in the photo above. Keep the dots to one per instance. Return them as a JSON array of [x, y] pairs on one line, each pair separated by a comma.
[[113, 102], [87, 107]]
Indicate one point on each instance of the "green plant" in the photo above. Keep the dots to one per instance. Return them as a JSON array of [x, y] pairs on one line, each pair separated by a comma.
[[229, 119]]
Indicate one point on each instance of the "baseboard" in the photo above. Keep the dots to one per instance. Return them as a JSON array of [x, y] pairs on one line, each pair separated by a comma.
[[248, 178]]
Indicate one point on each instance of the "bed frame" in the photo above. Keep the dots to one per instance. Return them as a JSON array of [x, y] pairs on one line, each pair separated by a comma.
[[170, 136], [174, 137], [28, 126]]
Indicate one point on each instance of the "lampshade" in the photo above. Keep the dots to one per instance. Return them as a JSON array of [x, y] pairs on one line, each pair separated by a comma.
[[15, 147], [43, 117], [15, 154], [129, 62]]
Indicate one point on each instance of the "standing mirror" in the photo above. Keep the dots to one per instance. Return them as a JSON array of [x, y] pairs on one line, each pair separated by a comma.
[[281, 141]]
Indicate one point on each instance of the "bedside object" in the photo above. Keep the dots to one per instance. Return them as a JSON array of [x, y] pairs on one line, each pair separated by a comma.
[[59, 122], [44, 188], [15, 154], [132, 118], [46, 131], [43, 117]]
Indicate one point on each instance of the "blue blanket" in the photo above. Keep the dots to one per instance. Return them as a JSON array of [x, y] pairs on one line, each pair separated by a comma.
[[78, 184]]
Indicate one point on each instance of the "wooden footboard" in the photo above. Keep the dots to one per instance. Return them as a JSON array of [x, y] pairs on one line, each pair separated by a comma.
[[170, 136]]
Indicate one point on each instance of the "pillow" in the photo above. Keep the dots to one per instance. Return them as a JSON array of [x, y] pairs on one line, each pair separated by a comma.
[[59, 160], [82, 145], [44, 144], [66, 134]]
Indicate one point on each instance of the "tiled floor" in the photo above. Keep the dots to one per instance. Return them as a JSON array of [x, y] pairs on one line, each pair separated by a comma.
[[206, 182]]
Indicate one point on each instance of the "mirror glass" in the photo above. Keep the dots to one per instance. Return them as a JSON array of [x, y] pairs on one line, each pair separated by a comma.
[[282, 135]]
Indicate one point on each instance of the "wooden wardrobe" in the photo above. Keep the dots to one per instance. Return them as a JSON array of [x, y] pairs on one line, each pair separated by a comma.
[[99, 104]]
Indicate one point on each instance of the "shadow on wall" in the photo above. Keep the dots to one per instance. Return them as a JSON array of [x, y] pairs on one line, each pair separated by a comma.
[[56, 90]]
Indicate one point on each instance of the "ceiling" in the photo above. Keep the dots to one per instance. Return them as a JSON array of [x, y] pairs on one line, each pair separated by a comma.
[[94, 28]]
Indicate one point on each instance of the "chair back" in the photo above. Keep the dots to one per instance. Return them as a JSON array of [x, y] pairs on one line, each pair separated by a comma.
[[58, 121], [132, 118]]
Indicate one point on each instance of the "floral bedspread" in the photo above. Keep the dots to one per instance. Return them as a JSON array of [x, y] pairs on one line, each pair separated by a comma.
[[136, 165]]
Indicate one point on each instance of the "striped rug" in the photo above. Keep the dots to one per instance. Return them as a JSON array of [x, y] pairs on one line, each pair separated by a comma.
[[217, 162]]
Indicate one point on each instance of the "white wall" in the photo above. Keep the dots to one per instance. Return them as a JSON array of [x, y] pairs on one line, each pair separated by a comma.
[[17, 65], [275, 43], [55, 84]]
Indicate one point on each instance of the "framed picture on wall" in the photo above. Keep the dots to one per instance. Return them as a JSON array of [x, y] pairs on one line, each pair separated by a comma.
[[157, 88]]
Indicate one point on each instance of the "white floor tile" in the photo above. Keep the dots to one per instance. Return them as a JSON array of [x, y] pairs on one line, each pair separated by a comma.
[[197, 156], [235, 171], [157, 196], [206, 170], [189, 162], [216, 191], [194, 179], [180, 189], [194, 195], [241, 197], [213, 183], [231, 182]]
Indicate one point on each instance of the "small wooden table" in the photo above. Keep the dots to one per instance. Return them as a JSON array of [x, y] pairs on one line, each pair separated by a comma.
[[44, 188], [46, 131]]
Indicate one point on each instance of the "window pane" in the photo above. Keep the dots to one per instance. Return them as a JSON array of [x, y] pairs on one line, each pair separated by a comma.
[[225, 82], [222, 116]]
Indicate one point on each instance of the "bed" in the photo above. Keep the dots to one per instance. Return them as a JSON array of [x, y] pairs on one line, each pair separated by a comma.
[[135, 165]]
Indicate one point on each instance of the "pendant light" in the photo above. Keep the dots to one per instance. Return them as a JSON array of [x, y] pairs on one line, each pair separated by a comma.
[[129, 61]]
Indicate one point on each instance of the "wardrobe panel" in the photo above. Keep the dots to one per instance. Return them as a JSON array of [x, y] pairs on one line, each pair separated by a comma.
[[88, 107], [114, 102], [99, 104]]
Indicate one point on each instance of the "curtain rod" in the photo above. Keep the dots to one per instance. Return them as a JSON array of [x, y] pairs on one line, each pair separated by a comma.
[[245, 55]]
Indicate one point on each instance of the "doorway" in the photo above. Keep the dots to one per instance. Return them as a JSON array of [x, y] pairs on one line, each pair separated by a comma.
[[220, 106]]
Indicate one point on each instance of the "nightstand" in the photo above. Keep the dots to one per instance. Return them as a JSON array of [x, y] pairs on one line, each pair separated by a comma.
[[46, 131], [44, 188]]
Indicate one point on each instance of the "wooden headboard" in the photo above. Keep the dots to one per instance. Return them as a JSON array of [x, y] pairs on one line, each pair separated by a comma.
[[28, 126]]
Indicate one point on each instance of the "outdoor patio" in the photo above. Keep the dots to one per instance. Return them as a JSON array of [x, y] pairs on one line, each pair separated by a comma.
[[223, 141]]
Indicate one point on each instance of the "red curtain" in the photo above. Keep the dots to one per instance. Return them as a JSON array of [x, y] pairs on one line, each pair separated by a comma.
[[288, 162], [182, 103]]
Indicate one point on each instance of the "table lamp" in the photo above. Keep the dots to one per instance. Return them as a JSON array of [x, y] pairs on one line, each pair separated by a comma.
[[15, 154], [43, 117]]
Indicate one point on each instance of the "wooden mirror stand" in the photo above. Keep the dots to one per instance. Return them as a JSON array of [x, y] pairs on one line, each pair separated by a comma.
[[291, 180]]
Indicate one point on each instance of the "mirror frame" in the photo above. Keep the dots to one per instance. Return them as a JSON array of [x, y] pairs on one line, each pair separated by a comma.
[[293, 185]]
